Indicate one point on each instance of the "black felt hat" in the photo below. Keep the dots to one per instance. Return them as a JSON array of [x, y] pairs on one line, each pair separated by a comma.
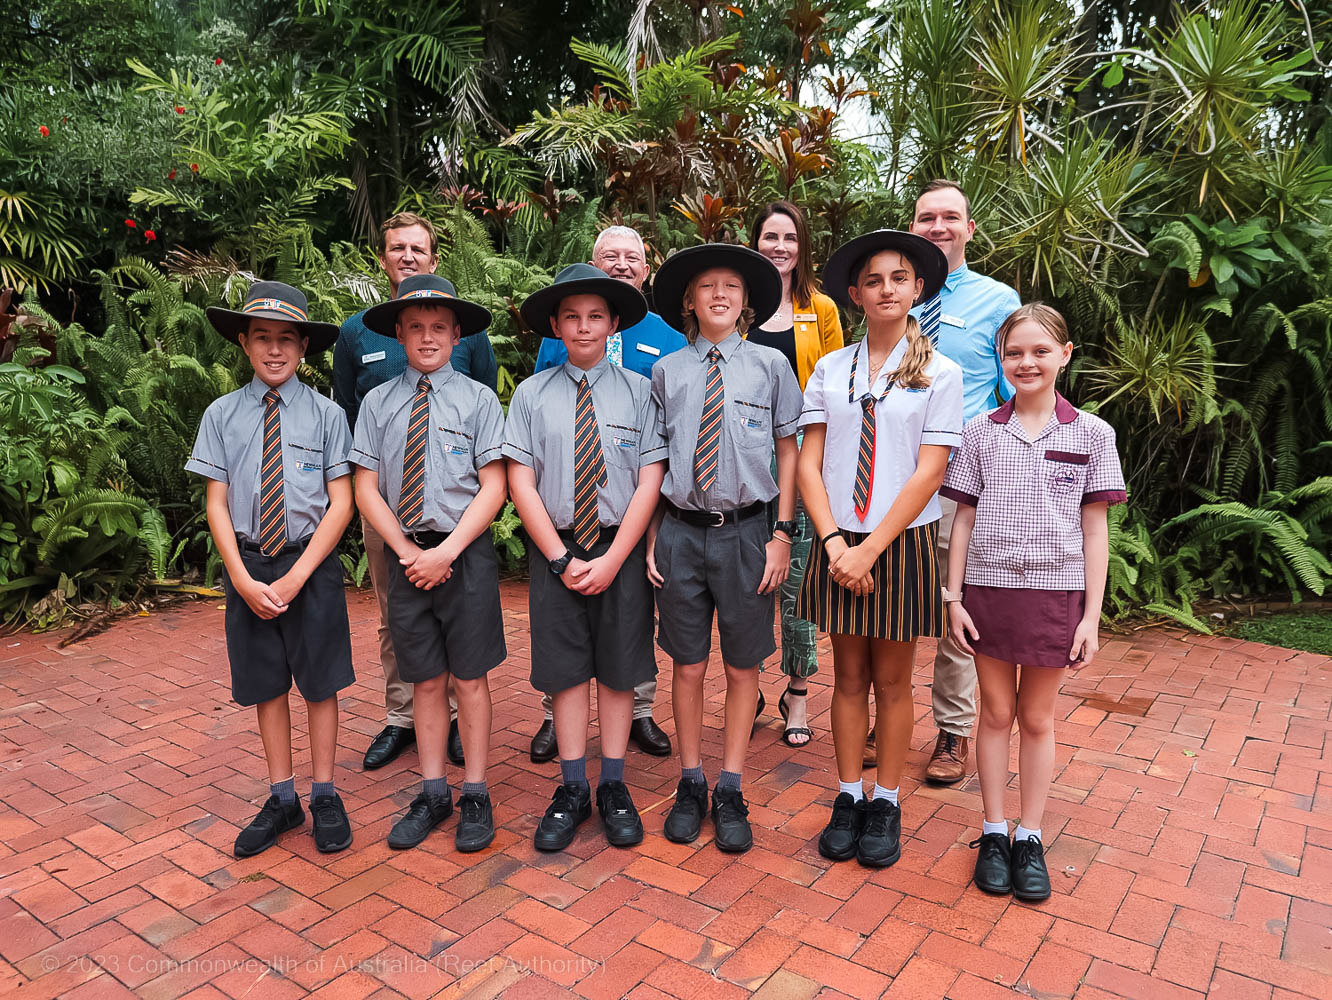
[[762, 281], [583, 279], [432, 289], [928, 259], [273, 300]]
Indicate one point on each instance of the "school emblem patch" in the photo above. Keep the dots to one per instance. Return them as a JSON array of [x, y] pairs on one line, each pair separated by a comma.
[[1062, 480]]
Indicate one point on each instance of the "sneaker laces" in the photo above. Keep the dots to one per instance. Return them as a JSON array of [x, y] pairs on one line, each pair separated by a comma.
[[326, 811], [731, 805], [562, 803], [471, 808], [688, 799], [876, 818], [270, 814], [619, 800], [843, 817]]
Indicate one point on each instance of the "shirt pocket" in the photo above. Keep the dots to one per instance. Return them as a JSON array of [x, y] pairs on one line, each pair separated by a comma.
[[619, 444], [752, 422], [304, 461], [457, 449], [1066, 472]]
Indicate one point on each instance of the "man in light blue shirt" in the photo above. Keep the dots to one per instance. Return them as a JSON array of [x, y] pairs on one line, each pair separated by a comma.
[[972, 308]]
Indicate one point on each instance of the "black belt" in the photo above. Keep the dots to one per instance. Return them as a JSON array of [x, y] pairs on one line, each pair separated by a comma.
[[716, 518], [245, 545], [605, 534], [428, 539]]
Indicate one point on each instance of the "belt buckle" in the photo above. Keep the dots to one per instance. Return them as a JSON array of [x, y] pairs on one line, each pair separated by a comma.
[[717, 519]]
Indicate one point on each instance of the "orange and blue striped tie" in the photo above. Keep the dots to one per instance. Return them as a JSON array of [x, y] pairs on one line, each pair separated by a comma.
[[589, 469], [709, 428], [865, 460], [272, 503], [411, 501]]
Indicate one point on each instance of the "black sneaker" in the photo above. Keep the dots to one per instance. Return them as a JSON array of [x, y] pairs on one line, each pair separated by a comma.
[[332, 830], [730, 821], [476, 823], [1031, 881], [424, 814], [619, 818], [685, 819], [262, 833], [881, 839], [571, 804], [840, 837], [992, 863]]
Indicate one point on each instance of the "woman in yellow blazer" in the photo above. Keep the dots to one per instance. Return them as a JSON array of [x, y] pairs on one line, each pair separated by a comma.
[[805, 328]]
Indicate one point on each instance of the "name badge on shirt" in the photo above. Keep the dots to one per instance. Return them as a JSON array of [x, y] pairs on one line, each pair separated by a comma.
[[622, 442], [307, 466], [376, 356], [956, 321], [649, 349], [806, 317]]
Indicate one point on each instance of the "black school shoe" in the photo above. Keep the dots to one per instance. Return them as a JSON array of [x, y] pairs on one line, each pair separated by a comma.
[[476, 823], [881, 840], [1031, 881], [619, 818], [841, 836], [424, 814], [455, 747], [992, 864], [332, 829], [685, 819], [262, 833], [571, 804], [730, 821]]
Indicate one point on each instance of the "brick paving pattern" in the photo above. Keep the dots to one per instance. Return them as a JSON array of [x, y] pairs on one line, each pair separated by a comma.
[[1189, 832]]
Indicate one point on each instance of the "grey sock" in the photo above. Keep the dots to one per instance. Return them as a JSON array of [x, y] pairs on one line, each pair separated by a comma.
[[477, 788], [574, 772], [435, 787], [729, 779], [612, 769], [285, 791], [319, 788], [693, 773]]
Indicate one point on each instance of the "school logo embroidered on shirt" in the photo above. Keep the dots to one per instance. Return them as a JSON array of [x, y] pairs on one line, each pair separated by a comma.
[[623, 442], [1062, 480]]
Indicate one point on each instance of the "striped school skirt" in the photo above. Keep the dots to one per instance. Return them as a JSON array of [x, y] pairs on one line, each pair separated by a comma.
[[906, 602]]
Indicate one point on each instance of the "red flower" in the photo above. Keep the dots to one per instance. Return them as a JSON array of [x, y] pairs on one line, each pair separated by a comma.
[[217, 61], [194, 167], [148, 234], [131, 223], [44, 131], [179, 110], [172, 176]]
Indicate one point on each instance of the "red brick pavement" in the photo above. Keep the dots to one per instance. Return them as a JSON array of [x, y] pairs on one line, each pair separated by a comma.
[[1190, 833]]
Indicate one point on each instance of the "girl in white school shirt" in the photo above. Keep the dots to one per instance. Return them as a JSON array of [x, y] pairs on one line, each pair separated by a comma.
[[880, 418], [1026, 574]]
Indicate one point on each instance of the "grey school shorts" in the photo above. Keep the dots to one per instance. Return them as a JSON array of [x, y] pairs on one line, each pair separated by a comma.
[[456, 627], [719, 569], [606, 637], [310, 642]]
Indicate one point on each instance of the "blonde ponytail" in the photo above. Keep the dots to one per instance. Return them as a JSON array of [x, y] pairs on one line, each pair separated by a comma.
[[910, 374]]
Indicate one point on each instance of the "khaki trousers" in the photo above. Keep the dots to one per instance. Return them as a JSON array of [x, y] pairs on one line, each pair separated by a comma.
[[644, 695], [954, 687]]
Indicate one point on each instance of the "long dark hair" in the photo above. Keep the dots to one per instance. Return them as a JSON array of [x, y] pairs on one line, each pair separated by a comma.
[[803, 283]]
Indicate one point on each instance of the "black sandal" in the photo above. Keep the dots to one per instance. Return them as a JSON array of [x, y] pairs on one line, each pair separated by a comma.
[[758, 711], [790, 731]]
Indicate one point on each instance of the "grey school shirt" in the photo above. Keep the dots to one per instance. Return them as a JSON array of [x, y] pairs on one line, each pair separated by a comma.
[[762, 405], [540, 434], [466, 433], [315, 445]]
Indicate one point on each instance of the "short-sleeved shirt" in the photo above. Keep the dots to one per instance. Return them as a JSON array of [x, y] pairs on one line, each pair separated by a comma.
[[315, 444], [466, 433], [973, 307], [539, 433], [904, 420], [762, 405], [1029, 495], [641, 346]]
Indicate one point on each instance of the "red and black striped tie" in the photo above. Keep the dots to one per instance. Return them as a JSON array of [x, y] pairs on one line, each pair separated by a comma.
[[272, 504], [411, 500], [865, 460], [709, 428], [589, 469]]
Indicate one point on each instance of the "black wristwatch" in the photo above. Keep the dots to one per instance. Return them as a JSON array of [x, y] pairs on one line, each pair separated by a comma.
[[558, 566], [789, 527]]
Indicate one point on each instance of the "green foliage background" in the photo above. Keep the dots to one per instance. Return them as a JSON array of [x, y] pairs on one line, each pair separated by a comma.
[[1161, 172]]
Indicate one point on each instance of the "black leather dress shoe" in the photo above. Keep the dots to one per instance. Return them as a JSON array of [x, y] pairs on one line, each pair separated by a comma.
[[262, 833], [544, 746], [388, 745], [841, 836], [992, 863], [730, 821], [619, 818], [571, 804], [649, 737], [476, 824], [685, 819], [455, 744], [1031, 880], [424, 814]]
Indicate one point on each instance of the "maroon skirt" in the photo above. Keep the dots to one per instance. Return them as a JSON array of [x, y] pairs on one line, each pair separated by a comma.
[[1033, 628]]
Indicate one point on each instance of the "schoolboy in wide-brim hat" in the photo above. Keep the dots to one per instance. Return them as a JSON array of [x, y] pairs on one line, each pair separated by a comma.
[[273, 300], [928, 259], [427, 289], [583, 279], [762, 281]]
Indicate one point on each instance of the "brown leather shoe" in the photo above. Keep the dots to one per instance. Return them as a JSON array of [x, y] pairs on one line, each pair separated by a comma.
[[948, 763]]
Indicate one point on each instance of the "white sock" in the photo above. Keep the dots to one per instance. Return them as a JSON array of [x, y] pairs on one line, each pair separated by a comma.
[[1001, 827], [885, 793], [855, 789], [1022, 833]]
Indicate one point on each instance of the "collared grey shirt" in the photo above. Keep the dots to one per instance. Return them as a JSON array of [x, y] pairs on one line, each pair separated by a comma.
[[540, 434], [315, 444], [466, 433], [762, 406]]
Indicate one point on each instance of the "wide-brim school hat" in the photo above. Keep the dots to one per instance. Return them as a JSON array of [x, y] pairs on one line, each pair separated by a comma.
[[427, 289], [762, 281], [928, 260], [583, 279], [273, 300]]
